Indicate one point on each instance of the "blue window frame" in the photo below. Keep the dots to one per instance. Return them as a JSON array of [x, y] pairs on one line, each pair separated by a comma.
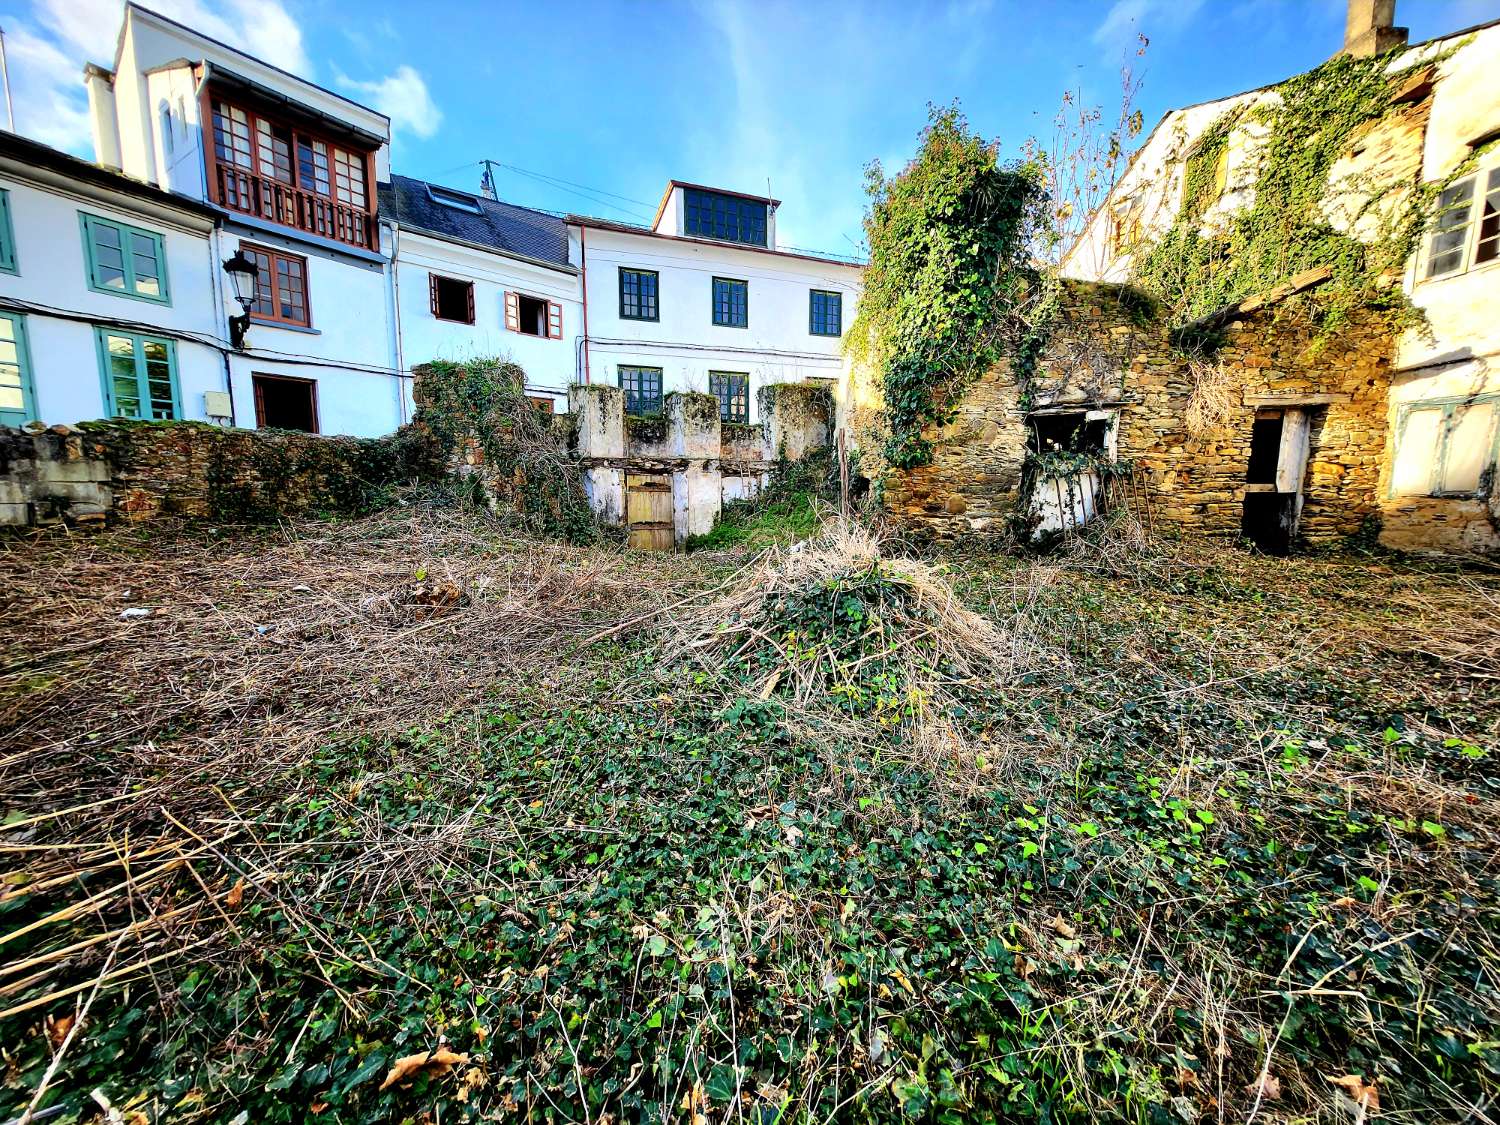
[[825, 313], [731, 303], [125, 260], [638, 295], [7, 235], [709, 214], [642, 387], [17, 394], [139, 373]]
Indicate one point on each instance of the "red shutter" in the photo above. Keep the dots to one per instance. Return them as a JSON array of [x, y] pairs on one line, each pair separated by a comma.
[[471, 303], [554, 321], [512, 311], [432, 292]]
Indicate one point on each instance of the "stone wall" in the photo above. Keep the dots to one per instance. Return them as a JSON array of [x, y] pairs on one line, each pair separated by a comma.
[[141, 470], [1109, 352]]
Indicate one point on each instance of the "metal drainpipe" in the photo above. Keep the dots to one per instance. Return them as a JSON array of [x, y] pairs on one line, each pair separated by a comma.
[[583, 261], [395, 292]]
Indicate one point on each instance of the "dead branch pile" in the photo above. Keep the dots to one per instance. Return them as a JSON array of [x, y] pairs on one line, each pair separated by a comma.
[[858, 646]]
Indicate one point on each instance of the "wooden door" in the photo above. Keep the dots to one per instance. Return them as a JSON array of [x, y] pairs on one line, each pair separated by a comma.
[[648, 511]]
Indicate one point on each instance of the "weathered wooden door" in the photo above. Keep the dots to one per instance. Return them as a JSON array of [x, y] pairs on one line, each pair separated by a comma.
[[648, 511]]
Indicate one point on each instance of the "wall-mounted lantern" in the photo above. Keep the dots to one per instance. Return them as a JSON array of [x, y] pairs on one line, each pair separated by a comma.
[[245, 279]]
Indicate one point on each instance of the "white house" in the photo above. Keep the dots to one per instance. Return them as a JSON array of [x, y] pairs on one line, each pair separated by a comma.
[[704, 301], [477, 277], [292, 170], [109, 299]]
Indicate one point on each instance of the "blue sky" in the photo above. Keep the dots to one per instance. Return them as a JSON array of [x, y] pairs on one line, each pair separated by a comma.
[[618, 97]]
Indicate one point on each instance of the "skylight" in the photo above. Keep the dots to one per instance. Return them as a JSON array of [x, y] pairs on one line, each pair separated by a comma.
[[455, 199]]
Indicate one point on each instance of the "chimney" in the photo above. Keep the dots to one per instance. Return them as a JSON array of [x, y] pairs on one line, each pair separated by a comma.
[[1369, 28]]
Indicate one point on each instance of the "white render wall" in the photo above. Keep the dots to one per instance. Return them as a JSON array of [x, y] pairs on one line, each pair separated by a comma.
[[776, 347], [53, 274], [550, 365]]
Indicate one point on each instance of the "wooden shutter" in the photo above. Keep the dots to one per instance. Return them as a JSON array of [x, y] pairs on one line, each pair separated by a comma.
[[471, 303], [554, 321], [432, 292], [512, 311]]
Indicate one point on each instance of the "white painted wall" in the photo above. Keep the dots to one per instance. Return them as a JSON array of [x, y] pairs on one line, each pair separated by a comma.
[[52, 278], [550, 365], [776, 347]]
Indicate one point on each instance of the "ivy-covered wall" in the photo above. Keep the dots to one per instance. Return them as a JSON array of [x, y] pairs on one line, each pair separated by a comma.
[[1109, 350]]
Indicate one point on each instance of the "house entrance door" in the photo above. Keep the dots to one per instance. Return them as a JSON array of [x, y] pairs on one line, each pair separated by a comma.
[[1279, 446], [648, 511]]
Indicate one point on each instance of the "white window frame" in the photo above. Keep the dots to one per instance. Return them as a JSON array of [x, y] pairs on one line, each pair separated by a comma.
[[1447, 407], [1484, 180]]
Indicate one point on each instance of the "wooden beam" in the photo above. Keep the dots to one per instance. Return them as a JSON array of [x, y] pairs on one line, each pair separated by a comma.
[[1329, 399]]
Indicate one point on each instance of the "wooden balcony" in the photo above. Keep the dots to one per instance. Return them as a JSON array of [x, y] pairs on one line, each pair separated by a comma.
[[241, 190]]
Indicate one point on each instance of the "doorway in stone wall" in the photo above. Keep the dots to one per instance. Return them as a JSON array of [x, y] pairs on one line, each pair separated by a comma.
[[283, 402], [1280, 441]]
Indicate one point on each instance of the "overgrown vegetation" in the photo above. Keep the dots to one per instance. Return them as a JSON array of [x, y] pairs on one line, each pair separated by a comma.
[[826, 838], [950, 283], [478, 413], [787, 510], [1203, 264]]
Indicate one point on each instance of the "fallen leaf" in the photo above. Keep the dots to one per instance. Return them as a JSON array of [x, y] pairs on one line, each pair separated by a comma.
[[1187, 1079], [317, 1107], [1346, 903], [1060, 926], [1360, 1092], [236, 893], [1267, 1088], [1024, 967], [57, 1030], [434, 1063]]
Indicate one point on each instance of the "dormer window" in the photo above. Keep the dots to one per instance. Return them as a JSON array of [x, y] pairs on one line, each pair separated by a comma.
[[444, 197], [733, 218]]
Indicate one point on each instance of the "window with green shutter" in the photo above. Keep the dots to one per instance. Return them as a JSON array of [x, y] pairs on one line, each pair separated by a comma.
[[140, 375], [125, 260], [7, 235], [17, 395]]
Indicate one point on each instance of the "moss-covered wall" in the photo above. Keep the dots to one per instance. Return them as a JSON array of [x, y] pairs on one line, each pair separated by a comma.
[[141, 470]]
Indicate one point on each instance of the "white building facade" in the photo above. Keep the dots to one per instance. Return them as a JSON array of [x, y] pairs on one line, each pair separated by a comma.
[[292, 171], [478, 278], [704, 301]]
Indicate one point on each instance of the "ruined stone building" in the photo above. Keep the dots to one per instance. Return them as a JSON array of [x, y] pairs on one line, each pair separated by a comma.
[[1274, 391]]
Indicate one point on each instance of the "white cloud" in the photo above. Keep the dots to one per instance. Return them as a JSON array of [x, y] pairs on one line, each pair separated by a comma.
[[403, 97], [47, 53]]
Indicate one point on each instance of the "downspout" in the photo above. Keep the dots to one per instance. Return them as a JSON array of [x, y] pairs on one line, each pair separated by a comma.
[[583, 261], [394, 289]]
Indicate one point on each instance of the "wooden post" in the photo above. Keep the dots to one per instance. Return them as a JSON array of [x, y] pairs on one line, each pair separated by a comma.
[[843, 475]]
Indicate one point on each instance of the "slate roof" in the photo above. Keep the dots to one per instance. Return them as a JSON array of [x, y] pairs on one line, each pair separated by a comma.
[[499, 226]]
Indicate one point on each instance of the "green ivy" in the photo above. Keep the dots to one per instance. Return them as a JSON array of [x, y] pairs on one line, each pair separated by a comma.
[[483, 401], [949, 276], [1311, 124]]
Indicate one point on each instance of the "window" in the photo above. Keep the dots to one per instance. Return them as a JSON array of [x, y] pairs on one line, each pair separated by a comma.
[[731, 303], [642, 387], [638, 295], [451, 298], [286, 403], [446, 197], [140, 375], [1070, 431], [268, 168], [1124, 230], [826, 313], [533, 316], [17, 396], [732, 218], [1454, 226], [1446, 448], [541, 404], [125, 260], [710, 214], [7, 235], [733, 391], [281, 293]]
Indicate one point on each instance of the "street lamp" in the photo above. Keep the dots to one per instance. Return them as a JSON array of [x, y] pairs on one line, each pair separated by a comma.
[[245, 279]]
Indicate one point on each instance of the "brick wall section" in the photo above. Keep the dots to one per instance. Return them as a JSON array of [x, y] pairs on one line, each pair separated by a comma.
[[1104, 352], [142, 470]]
